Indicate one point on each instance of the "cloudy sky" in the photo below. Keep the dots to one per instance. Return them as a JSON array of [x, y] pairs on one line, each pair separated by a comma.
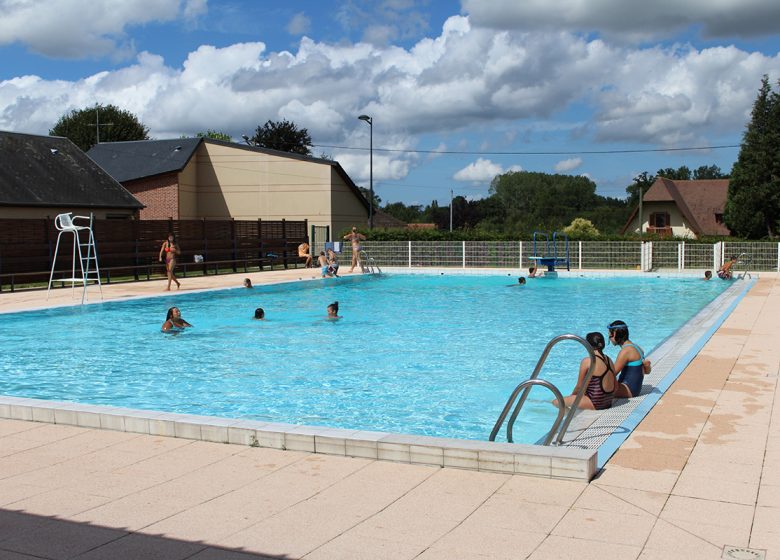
[[459, 91]]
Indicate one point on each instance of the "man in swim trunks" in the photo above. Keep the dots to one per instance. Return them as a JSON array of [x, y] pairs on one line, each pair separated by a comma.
[[630, 362], [355, 237]]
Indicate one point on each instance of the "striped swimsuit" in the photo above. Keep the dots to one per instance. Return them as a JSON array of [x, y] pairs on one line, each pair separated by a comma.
[[600, 398]]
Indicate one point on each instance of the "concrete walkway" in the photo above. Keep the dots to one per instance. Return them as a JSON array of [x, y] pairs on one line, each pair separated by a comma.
[[701, 472]]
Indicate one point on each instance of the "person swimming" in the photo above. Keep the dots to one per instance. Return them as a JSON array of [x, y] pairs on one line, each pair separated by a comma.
[[174, 322], [259, 313], [247, 283], [630, 362], [333, 311]]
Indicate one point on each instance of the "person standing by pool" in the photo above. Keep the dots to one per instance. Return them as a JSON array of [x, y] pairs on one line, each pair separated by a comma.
[[600, 391], [174, 322], [355, 237], [630, 362], [171, 250]]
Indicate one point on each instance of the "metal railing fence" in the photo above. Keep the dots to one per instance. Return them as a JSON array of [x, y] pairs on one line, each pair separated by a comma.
[[583, 255]]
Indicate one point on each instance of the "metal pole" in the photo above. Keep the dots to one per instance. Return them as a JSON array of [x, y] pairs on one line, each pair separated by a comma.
[[371, 176], [451, 198], [370, 122]]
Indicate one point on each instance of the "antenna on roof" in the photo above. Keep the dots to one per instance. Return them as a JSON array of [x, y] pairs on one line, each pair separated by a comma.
[[246, 139], [98, 124]]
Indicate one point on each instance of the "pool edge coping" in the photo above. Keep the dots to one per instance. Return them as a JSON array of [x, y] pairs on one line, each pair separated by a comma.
[[495, 457]]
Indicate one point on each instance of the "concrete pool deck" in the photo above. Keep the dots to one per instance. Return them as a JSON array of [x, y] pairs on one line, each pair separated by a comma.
[[700, 472]]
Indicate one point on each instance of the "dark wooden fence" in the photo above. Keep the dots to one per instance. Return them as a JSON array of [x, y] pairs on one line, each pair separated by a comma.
[[131, 247]]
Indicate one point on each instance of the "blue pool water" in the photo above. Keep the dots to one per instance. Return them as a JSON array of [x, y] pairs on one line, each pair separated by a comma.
[[429, 355]]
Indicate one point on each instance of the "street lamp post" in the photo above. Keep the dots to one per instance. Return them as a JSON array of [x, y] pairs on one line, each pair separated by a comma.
[[370, 122]]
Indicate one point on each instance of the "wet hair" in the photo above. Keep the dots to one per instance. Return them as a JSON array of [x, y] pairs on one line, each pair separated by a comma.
[[169, 316], [532, 269], [620, 329], [259, 313], [521, 280], [322, 253], [247, 283], [334, 306], [596, 339], [708, 274]]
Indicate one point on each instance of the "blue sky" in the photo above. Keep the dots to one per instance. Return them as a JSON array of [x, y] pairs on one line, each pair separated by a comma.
[[459, 91]]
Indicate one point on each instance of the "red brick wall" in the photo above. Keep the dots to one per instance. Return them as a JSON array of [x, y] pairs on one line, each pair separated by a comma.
[[159, 194]]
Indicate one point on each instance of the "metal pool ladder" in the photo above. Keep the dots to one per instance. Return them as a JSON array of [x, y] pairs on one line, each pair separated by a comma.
[[368, 264], [526, 386]]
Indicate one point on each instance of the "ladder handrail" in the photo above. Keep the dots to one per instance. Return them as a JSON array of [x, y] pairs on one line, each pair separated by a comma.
[[558, 397], [367, 263], [526, 388]]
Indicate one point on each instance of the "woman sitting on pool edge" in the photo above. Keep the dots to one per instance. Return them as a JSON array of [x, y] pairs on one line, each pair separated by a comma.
[[174, 322], [601, 388], [630, 362]]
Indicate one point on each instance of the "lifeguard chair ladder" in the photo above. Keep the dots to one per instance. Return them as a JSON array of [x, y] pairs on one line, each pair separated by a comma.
[[83, 239]]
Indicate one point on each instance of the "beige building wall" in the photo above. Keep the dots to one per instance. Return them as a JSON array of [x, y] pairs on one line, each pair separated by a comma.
[[30, 212], [188, 190], [247, 185], [680, 228]]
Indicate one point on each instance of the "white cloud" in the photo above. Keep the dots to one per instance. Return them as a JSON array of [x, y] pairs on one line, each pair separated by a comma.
[[77, 29], [659, 96], [482, 170], [567, 165], [299, 24], [637, 20]]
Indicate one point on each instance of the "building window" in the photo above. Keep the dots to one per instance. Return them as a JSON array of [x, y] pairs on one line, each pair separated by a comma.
[[718, 218], [659, 220]]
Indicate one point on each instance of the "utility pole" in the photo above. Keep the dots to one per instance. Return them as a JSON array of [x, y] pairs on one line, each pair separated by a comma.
[[452, 197]]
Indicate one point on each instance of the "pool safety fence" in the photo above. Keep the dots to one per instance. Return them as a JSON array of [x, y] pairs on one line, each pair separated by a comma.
[[583, 255]]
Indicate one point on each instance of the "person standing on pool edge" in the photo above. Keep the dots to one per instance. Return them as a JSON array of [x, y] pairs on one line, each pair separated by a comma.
[[171, 250], [630, 362], [355, 237]]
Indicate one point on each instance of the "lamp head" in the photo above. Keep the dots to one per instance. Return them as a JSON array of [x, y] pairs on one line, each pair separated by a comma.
[[365, 118]]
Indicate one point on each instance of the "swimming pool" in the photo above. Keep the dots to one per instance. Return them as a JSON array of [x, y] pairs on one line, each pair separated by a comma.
[[429, 355]]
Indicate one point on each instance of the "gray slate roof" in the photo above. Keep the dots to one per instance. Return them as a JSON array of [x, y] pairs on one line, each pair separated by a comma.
[[51, 171], [127, 161]]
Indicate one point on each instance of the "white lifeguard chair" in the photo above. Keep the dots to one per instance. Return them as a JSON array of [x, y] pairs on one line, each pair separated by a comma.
[[88, 264]]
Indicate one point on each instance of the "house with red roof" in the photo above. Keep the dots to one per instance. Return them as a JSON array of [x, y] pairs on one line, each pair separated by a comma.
[[682, 209]]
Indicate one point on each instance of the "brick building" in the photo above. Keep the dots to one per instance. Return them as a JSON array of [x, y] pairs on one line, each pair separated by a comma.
[[194, 178]]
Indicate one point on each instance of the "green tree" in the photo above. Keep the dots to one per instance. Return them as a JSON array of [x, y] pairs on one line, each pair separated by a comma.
[[753, 203], [367, 193], [105, 122], [580, 228], [216, 135], [682, 173], [708, 172], [641, 183], [284, 136]]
